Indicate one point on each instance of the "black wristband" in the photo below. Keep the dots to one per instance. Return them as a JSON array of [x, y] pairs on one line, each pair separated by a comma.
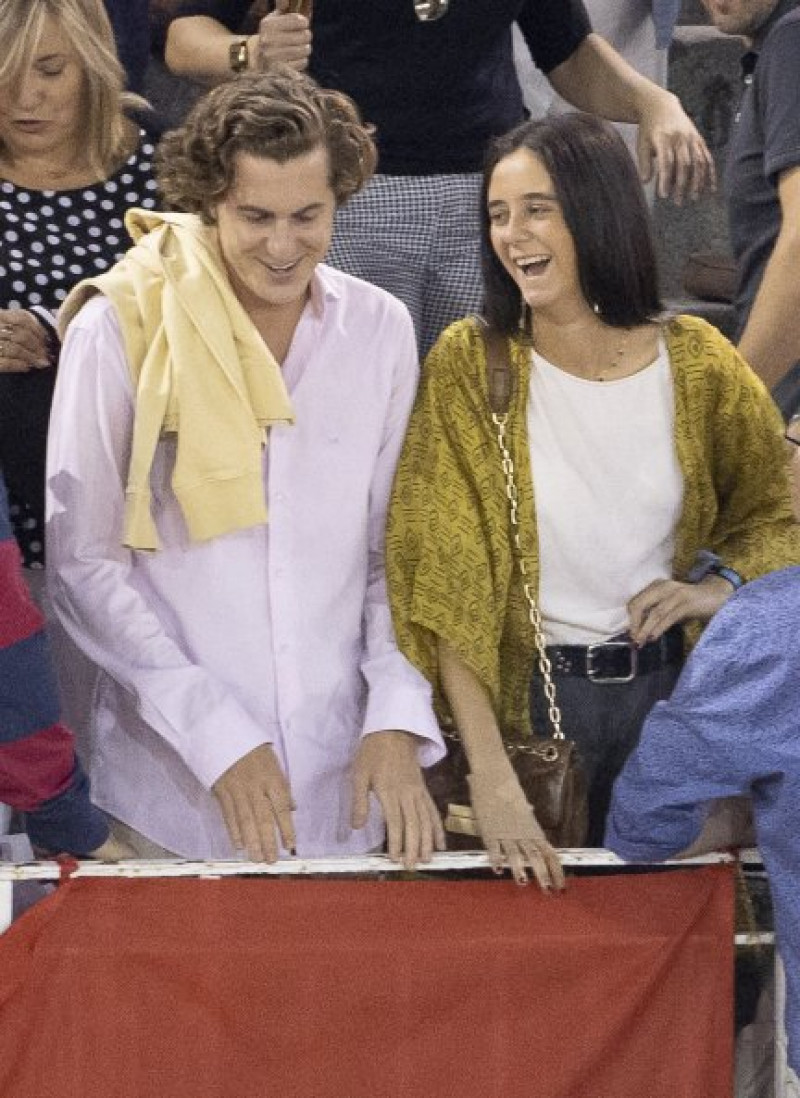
[[709, 564]]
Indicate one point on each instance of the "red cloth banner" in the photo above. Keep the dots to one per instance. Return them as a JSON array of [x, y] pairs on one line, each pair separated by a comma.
[[285, 988]]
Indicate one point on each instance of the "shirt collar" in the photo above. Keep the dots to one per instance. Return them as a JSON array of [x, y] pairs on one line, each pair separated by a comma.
[[321, 290]]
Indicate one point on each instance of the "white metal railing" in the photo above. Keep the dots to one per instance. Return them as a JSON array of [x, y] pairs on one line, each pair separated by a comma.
[[11, 872]]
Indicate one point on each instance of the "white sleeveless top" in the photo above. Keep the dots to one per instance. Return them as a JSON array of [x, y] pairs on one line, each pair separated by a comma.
[[608, 493]]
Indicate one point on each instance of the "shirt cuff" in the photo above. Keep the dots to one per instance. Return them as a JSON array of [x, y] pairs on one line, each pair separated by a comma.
[[651, 849], [215, 750], [406, 706]]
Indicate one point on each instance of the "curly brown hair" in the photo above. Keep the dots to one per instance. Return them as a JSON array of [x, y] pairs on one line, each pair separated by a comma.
[[279, 115]]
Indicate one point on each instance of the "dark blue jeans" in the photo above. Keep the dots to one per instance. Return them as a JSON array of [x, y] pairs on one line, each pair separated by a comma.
[[605, 722]]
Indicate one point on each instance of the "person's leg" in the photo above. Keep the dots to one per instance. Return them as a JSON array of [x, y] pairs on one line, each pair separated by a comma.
[[383, 236], [453, 284], [537, 92], [630, 28]]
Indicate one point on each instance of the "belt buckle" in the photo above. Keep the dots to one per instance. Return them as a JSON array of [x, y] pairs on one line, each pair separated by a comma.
[[604, 680]]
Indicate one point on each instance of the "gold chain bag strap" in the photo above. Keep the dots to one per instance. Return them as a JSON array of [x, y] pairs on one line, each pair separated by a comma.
[[548, 767]]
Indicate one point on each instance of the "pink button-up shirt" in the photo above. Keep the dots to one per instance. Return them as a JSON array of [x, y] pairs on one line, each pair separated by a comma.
[[277, 634]]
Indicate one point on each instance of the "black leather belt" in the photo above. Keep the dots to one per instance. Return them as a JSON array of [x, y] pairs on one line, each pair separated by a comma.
[[618, 659]]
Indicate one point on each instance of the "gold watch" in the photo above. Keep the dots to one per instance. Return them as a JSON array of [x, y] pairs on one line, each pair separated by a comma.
[[238, 55]]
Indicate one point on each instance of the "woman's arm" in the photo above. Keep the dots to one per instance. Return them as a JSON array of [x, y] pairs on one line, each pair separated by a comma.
[[506, 821]]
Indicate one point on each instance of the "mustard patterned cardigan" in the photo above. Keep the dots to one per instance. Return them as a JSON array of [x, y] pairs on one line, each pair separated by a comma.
[[449, 565]]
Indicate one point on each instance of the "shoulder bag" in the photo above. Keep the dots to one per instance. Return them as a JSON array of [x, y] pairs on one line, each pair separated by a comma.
[[548, 767]]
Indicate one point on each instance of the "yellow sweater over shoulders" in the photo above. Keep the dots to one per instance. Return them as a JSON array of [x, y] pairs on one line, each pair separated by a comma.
[[199, 369]]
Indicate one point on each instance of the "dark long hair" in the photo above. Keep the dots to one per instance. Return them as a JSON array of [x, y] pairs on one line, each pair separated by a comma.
[[604, 207]]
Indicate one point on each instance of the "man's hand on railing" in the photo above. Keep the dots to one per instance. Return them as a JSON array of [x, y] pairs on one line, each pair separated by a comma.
[[387, 765], [255, 799]]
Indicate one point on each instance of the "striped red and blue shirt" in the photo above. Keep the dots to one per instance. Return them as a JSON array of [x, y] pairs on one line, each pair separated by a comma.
[[40, 774]]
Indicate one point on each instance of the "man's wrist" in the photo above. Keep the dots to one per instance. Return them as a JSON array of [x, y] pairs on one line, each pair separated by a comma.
[[243, 54], [239, 55]]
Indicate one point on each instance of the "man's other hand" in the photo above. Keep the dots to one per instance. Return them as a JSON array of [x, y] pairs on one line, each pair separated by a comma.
[[256, 800], [387, 765]]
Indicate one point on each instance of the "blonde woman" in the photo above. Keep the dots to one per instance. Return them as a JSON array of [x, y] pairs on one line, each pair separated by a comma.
[[72, 160]]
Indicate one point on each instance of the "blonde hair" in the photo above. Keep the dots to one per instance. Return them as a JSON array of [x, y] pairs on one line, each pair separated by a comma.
[[279, 115], [88, 30]]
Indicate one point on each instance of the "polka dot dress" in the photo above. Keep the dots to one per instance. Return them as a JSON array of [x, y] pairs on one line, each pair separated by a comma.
[[49, 240]]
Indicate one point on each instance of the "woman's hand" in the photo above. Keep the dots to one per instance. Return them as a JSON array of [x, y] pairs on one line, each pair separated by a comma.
[[509, 829], [664, 603], [23, 342]]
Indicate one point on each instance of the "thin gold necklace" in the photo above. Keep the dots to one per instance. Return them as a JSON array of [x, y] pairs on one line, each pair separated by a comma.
[[616, 360], [428, 11], [611, 366]]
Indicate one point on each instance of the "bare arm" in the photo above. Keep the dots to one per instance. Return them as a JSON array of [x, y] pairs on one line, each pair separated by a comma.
[[728, 823], [598, 80], [770, 342], [199, 47], [505, 819]]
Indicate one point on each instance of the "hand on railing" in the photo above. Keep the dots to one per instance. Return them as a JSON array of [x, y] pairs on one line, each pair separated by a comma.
[[510, 831], [255, 799], [387, 764]]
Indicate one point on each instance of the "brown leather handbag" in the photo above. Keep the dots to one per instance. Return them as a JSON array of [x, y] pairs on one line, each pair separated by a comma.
[[551, 776], [548, 767]]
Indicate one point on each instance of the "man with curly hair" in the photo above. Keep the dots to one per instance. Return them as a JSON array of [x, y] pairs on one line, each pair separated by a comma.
[[224, 436]]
